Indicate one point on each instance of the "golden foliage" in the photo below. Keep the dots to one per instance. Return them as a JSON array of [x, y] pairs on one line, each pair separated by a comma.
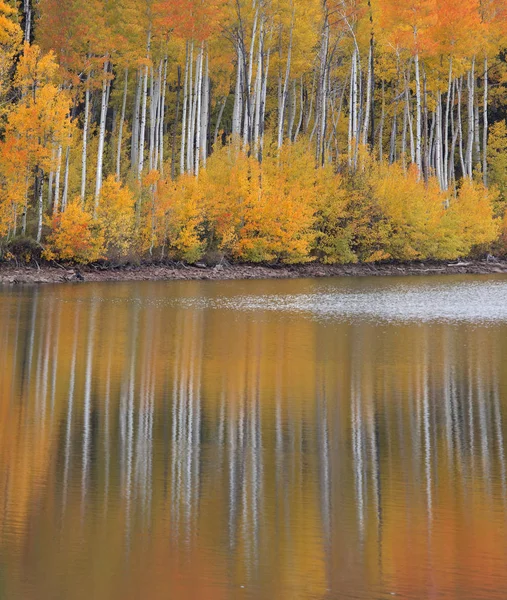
[[116, 216], [75, 236]]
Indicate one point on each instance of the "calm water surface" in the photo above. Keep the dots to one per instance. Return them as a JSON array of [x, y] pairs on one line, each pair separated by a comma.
[[277, 440]]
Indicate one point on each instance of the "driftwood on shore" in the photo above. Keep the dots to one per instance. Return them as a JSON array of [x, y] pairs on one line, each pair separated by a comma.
[[225, 271]]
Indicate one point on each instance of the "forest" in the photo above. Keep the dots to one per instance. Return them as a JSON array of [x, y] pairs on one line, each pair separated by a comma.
[[258, 130]]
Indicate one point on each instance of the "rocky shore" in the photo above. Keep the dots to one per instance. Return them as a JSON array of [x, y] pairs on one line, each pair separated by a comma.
[[12, 275]]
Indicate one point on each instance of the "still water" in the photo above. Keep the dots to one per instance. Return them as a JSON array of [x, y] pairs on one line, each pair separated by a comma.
[[276, 440]]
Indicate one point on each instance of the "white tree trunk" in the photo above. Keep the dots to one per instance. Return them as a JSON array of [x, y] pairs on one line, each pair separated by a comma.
[[369, 93], [56, 201], [205, 112], [40, 206], [191, 111], [485, 126], [86, 125], [198, 92], [237, 112], [134, 148], [142, 129], [122, 122], [446, 129], [106, 86], [418, 150], [65, 195], [162, 120], [471, 121], [184, 118]]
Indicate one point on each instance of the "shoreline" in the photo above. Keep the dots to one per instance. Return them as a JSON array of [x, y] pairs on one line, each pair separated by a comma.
[[49, 274]]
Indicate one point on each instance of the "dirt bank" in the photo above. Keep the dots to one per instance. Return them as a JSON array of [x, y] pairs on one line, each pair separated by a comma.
[[12, 275]]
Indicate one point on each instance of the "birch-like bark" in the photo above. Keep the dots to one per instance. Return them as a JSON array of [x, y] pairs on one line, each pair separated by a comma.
[[369, 92], [184, 118], [285, 89], [471, 121], [106, 87], [394, 133], [65, 195], [191, 112], [154, 97], [205, 111], [51, 179], [248, 96], [199, 94], [454, 133], [27, 9], [301, 109], [322, 93], [262, 118], [219, 120], [485, 125], [56, 200], [40, 203], [237, 112], [86, 124], [460, 129], [477, 129], [120, 128], [381, 127], [418, 151], [142, 129], [438, 141], [162, 120], [134, 147], [175, 125], [404, 132], [446, 127]]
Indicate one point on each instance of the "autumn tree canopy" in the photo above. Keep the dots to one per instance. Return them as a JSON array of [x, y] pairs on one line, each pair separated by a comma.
[[291, 130]]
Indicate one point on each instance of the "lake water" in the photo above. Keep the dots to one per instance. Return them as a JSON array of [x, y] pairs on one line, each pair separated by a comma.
[[313, 439]]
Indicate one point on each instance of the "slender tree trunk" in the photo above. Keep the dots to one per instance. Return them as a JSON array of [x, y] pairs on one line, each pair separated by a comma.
[[134, 147], [106, 86], [238, 95], [404, 132], [369, 94], [184, 119], [460, 130], [219, 120], [446, 127], [381, 127], [51, 179], [471, 121], [301, 109], [205, 110], [142, 131], [154, 100], [175, 126], [122, 122], [198, 115], [477, 129], [65, 194], [283, 100], [485, 126], [86, 124], [56, 201], [40, 191], [191, 112], [418, 151], [28, 20], [162, 119], [263, 106]]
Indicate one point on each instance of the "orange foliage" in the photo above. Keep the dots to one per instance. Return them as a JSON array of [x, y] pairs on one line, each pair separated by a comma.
[[74, 236]]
